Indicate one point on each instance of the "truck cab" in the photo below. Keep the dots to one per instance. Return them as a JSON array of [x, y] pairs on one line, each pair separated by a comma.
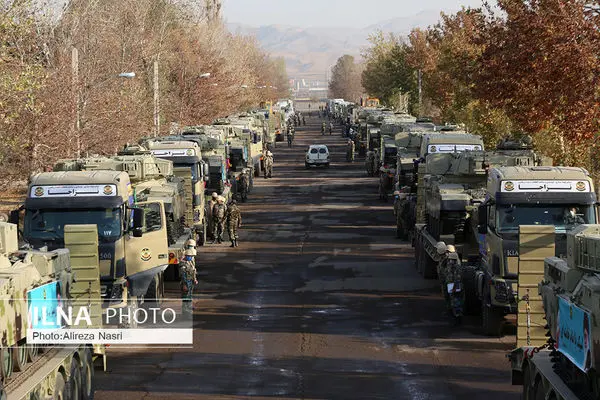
[[563, 197], [188, 165], [133, 245]]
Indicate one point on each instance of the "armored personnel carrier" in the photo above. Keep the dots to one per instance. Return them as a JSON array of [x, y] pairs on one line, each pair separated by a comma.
[[558, 339]]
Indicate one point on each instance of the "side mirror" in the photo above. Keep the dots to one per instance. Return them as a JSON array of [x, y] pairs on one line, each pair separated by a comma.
[[482, 220], [205, 171], [138, 222], [13, 216]]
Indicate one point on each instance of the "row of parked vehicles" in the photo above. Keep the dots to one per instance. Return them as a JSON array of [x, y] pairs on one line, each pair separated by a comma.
[[132, 215], [523, 232]]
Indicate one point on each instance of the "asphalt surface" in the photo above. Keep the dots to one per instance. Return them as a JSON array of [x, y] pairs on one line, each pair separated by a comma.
[[320, 301]]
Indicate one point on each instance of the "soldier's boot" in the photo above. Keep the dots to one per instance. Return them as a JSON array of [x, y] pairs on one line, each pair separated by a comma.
[[236, 242]]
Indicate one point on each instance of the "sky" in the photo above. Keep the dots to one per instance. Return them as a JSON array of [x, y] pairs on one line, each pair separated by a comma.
[[307, 13]]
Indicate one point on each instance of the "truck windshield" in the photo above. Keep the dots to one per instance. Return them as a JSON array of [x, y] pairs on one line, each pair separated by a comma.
[[193, 167], [49, 224], [563, 216]]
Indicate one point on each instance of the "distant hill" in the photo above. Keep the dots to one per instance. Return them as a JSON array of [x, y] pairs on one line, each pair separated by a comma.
[[312, 51]]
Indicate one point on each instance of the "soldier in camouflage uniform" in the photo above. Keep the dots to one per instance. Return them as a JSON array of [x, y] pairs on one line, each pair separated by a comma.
[[450, 276], [244, 186], [218, 217], [187, 271], [211, 204], [369, 162], [350, 151], [268, 164], [234, 222]]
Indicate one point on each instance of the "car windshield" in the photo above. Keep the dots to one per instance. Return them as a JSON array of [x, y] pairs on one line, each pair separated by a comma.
[[563, 216], [50, 224]]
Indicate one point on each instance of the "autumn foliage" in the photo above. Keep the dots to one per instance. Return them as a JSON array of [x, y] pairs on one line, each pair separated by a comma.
[[41, 100], [524, 66]]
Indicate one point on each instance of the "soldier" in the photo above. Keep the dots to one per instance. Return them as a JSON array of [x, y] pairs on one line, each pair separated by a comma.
[[244, 186], [218, 218], [369, 162], [290, 137], [450, 273], [330, 128], [268, 164], [350, 151], [234, 222], [323, 129], [303, 120], [211, 204], [572, 218], [187, 271]]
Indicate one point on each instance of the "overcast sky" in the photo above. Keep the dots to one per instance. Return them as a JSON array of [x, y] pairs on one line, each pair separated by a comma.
[[305, 13]]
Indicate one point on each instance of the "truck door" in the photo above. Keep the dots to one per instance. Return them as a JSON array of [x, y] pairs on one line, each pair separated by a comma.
[[148, 255]]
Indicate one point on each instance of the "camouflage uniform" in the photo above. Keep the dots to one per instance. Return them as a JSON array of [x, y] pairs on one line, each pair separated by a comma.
[[350, 151], [218, 216], [244, 186], [234, 221], [290, 137], [369, 162], [187, 271], [450, 272], [268, 165]]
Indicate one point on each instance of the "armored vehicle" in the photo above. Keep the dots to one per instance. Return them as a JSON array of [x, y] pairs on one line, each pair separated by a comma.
[[33, 284], [133, 243], [524, 195], [558, 339]]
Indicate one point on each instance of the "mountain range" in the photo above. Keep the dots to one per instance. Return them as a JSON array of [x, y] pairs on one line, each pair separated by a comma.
[[311, 52]]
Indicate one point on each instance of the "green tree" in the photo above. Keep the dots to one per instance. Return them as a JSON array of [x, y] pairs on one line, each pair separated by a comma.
[[345, 80]]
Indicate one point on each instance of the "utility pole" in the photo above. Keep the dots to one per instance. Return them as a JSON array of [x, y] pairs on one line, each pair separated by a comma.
[[76, 99], [420, 79], [156, 101]]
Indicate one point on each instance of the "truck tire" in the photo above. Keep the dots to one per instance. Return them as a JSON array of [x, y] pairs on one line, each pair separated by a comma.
[[539, 391], [6, 363], [87, 375], [33, 350], [74, 383], [527, 388], [472, 302], [152, 296], [60, 388], [491, 320], [19, 355]]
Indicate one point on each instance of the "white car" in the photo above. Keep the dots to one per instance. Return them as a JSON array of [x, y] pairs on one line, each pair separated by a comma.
[[317, 154]]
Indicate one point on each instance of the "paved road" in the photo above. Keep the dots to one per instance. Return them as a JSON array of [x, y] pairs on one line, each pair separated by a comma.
[[320, 301]]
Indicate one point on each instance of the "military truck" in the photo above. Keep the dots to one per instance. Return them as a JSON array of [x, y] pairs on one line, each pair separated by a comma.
[[212, 142], [133, 239], [242, 126], [27, 277], [558, 341], [188, 165], [524, 195]]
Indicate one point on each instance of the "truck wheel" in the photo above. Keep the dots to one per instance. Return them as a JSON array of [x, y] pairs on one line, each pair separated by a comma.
[[429, 270], [491, 319], [32, 352], [152, 296], [74, 384], [132, 306], [472, 302], [539, 391], [527, 388], [60, 388], [6, 361], [87, 375], [19, 355]]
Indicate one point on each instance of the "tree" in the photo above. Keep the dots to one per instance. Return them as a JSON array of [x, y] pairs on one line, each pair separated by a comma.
[[346, 79]]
